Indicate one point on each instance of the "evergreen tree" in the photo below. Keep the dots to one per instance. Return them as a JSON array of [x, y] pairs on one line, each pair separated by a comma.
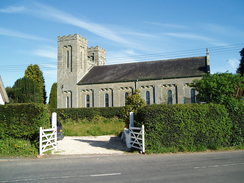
[[25, 90], [53, 96], [241, 66], [33, 72]]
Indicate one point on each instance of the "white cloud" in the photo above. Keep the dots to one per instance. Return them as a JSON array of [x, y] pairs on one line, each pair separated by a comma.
[[13, 33], [122, 56], [13, 9], [196, 37], [49, 52], [224, 30], [139, 34], [168, 25], [233, 63], [63, 17], [49, 66]]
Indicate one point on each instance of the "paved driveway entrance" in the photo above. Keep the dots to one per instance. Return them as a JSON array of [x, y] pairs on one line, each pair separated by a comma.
[[90, 145]]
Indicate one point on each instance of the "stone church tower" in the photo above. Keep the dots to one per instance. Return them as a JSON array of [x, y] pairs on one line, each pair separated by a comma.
[[75, 60]]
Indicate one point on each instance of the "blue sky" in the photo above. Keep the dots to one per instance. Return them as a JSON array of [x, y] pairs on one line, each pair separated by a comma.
[[130, 31]]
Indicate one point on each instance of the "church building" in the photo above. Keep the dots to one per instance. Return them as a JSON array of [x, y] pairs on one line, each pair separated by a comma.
[[84, 80]]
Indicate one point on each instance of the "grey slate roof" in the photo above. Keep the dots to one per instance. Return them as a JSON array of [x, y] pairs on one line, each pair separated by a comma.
[[3, 92], [173, 68]]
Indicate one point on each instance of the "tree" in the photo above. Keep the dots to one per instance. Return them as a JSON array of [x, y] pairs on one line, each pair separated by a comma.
[[241, 66], [133, 103], [25, 90], [33, 72], [218, 88], [53, 96]]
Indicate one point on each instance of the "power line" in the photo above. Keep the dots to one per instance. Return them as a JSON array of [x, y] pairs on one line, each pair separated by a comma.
[[147, 57]]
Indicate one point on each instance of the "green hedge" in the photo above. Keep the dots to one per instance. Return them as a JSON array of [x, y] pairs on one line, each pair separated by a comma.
[[22, 121], [236, 111], [17, 147], [187, 127], [89, 113]]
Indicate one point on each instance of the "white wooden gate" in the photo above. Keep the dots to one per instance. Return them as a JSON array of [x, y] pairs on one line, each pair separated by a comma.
[[137, 138], [48, 137], [136, 135]]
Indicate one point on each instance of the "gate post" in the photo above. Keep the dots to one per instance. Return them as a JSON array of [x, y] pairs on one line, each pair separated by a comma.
[[131, 119], [143, 138], [40, 141], [54, 125]]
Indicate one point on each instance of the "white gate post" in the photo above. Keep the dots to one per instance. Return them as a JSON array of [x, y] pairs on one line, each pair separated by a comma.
[[131, 119], [54, 120], [40, 141], [143, 139], [54, 125]]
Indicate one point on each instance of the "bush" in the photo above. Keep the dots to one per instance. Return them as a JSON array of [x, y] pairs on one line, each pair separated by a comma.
[[23, 121], [88, 113], [187, 127], [17, 147]]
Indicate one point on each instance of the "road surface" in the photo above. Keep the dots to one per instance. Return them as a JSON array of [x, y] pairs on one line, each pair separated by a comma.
[[210, 167]]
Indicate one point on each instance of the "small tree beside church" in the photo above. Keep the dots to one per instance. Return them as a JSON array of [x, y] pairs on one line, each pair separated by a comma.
[[133, 103], [33, 72]]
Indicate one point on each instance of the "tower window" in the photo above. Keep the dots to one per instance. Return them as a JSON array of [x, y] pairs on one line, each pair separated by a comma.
[[106, 100], [193, 96], [170, 97], [67, 58], [87, 100], [148, 97]]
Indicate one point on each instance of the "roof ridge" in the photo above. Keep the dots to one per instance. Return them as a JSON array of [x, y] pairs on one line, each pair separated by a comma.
[[172, 59]]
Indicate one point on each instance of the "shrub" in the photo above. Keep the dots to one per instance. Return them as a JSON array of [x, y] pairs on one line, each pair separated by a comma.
[[23, 120], [187, 127], [17, 147]]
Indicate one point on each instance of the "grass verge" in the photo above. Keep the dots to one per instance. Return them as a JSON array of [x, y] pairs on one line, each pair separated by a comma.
[[95, 127]]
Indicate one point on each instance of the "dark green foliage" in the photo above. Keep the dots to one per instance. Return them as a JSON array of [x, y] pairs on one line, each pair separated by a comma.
[[240, 69], [24, 90], [33, 72], [23, 121], [88, 113], [133, 103], [218, 88], [53, 96], [188, 127], [236, 112], [17, 147]]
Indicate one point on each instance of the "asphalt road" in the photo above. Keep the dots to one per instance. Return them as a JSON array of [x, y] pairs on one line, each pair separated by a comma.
[[191, 167]]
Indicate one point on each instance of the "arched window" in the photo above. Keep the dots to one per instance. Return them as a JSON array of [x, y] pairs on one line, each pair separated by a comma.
[[126, 95], [106, 100], [170, 97], [193, 96], [148, 97], [87, 100], [67, 102], [67, 58]]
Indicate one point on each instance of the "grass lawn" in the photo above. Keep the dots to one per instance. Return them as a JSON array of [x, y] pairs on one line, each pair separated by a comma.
[[95, 127]]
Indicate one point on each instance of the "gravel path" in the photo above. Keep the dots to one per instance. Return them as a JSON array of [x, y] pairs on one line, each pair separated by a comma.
[[90, 145]]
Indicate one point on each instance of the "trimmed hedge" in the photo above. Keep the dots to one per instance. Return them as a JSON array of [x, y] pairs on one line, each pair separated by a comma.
[[186, 127], [22, 121], [89, 113]]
